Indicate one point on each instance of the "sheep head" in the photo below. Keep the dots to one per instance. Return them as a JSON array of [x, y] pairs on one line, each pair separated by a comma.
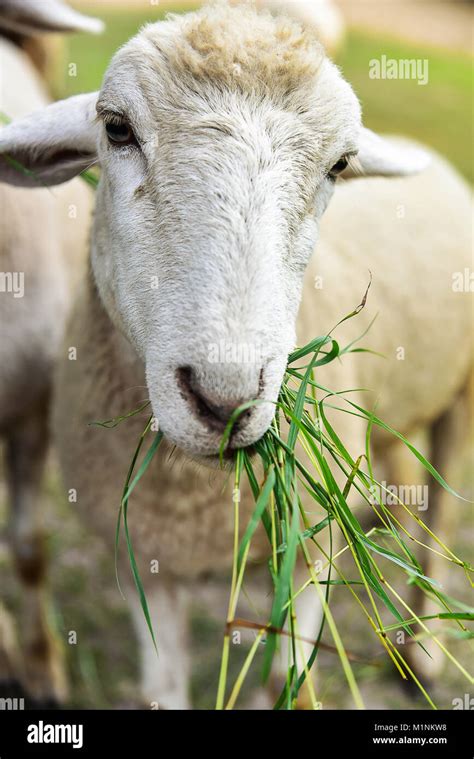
[[220, 136]]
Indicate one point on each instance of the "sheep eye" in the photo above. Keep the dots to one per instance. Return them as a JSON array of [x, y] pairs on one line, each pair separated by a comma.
[[339, 167], [120, 133]]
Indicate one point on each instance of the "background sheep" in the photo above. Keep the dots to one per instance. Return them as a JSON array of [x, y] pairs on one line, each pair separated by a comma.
[[43, 239], [344, 269], [323, 15]]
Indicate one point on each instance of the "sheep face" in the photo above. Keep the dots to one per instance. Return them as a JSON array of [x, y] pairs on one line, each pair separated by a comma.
[[219, 136], [207, 215]]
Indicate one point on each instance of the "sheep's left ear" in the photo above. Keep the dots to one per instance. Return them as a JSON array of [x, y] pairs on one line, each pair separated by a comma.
[[51, 145], [379, 156]]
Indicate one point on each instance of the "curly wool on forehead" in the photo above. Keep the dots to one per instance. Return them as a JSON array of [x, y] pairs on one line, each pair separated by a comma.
[[239, 46]]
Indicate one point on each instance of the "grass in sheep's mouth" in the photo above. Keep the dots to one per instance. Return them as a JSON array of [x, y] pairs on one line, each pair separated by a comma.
[[303, 403]]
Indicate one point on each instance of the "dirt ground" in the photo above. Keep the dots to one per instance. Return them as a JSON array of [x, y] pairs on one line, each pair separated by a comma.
[[441, 23]]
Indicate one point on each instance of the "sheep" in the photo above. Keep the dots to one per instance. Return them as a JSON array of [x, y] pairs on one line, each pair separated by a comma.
[[224, 136], [43, 240]]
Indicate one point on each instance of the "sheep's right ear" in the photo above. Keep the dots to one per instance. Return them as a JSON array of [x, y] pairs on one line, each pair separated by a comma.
[[52, 145], [37, 16]]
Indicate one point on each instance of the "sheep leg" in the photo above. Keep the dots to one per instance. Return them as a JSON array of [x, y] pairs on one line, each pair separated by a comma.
[[449, 437], [10, 659], [27, 444], [165, 677]]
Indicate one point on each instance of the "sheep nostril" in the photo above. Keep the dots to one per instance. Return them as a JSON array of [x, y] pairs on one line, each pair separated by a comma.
[[210, 410]]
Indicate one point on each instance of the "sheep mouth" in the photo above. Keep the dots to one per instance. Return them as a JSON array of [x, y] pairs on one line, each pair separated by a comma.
[[227, 460]]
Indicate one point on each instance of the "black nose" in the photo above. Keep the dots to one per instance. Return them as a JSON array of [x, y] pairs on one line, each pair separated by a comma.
[[209, 409]]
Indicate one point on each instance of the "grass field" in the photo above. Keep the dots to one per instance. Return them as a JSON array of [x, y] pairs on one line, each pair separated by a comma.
[[438, 113]]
